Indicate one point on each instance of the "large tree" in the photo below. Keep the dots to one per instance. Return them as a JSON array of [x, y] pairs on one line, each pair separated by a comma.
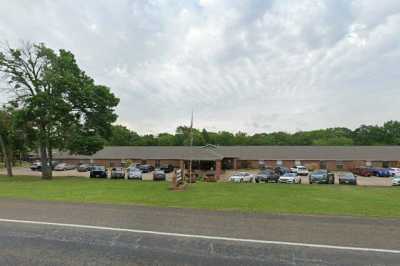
[[65, 106]]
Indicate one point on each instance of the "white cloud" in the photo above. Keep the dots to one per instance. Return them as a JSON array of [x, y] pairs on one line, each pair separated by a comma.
[[249, 65]]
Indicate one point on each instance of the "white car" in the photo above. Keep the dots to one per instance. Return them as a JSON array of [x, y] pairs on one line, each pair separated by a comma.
[[134, 173], [301, 170], [290, 178], [394, 171], [396, 180], [242, 177]]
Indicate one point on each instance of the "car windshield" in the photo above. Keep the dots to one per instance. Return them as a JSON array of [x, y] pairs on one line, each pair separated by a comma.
[[319, 172], [289, 175], [98, 168], [349, 175], [265, 172]]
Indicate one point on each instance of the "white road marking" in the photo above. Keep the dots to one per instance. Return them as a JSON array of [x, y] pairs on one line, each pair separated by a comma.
[[282, 243]]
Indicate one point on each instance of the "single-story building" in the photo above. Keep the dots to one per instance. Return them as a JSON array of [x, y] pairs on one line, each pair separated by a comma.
[[220, 158]]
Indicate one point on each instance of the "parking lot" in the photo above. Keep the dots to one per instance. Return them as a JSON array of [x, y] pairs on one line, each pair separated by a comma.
[[21, 171], [361, 180]]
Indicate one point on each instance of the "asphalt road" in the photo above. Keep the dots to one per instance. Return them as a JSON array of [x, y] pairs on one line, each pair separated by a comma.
[[67, 240]]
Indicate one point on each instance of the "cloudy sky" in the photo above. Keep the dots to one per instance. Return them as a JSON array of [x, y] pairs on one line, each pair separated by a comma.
[[249, 65]]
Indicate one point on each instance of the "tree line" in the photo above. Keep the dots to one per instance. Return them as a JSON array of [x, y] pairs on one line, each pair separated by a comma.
[[388, 134]]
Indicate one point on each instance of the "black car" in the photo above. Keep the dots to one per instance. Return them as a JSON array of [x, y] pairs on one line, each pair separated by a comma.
[[159, 175], [146, 168], [281, 170], [347, 178], [98, 171], [322, 177], [267, 176], [168, 168]]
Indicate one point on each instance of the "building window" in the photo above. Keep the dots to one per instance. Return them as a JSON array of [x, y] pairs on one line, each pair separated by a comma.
[[279, 162], [368, 163], [297, 163], [339, 165], [322, 164]]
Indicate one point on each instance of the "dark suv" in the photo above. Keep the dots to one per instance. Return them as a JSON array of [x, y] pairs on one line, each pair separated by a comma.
[[168, 168], [267, 176], [281, 170], [98, 171], [322, 177], [146, 168]]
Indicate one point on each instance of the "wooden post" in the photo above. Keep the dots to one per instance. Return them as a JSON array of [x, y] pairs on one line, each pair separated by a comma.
[[218, 169]]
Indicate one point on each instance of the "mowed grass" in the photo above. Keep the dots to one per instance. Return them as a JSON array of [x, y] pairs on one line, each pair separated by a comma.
[[264, 198]]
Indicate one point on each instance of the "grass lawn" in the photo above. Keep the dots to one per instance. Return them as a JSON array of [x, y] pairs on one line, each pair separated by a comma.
[[266, 198]]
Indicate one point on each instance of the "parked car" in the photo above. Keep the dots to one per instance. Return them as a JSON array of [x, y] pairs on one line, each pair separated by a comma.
[[36, 166], [266, 176], [159, 175], [64, 167], [117, 172], [146, 168], [381, 172], [347, 178], [363, 171], [290, 178], [84, 167], [241, 177], [281, 170], [168, 168], [322, 177], [301, 170], [98, 171], [396, 180], [394, 171], [134, 173]]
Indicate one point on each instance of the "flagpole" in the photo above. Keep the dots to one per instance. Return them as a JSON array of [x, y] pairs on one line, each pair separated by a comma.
[[191, 148]]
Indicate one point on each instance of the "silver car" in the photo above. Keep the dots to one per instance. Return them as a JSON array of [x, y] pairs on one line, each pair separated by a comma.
[[396, 180], [117, 172], [134, 173]]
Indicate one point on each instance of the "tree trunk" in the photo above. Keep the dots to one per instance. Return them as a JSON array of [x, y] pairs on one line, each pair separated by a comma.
[[46, 169], [9, 162], [6, 155]]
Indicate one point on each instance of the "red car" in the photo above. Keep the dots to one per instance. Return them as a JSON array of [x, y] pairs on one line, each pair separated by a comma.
[[363, 171]]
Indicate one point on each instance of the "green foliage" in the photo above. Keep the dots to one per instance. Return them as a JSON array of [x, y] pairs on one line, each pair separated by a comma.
[[389, 134], [65, 107]]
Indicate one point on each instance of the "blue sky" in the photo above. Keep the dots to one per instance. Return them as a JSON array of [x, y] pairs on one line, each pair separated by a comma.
[[249, 65]]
